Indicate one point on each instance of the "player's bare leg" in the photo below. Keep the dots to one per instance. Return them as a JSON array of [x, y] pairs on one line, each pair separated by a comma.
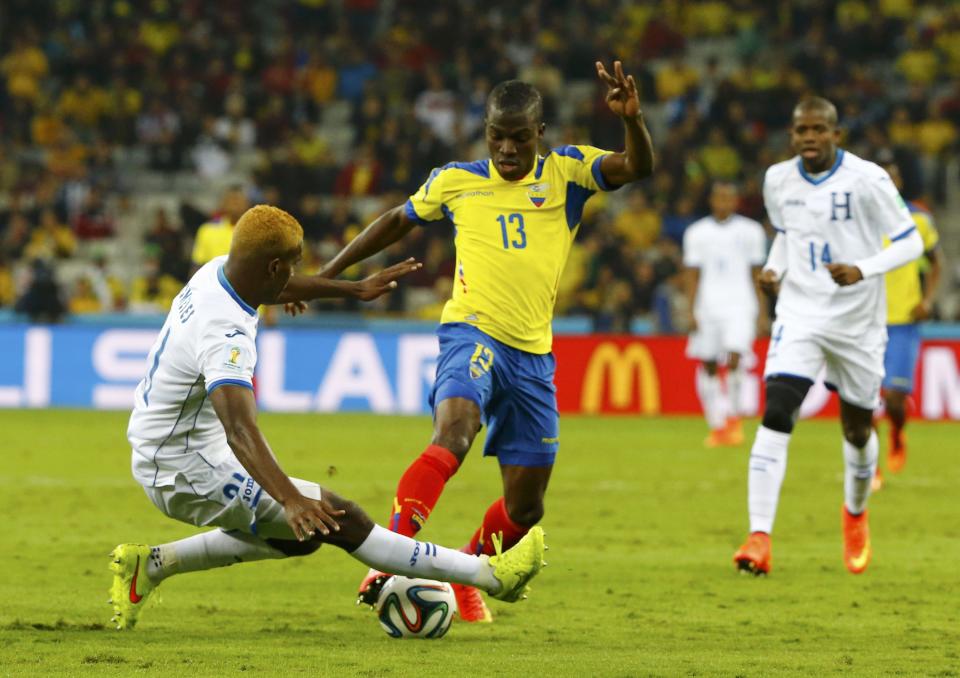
[[456, 423], [860, 452], [896, 407], [511, 517]]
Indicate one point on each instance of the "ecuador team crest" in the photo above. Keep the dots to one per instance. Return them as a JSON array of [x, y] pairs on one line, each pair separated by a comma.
[[538, 194]]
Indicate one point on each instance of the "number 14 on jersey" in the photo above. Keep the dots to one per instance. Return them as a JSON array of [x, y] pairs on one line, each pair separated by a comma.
[[824, 255]]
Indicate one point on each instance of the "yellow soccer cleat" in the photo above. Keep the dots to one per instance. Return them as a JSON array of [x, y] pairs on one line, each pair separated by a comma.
[[131, 586], [515, 567]]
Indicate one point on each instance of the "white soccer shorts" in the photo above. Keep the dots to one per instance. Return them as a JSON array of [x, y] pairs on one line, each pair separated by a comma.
[[716, 337], [854, 365], [225, 496]]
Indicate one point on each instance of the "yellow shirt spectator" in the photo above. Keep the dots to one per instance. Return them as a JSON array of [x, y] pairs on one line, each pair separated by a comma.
[[8, 291], [918, 66], [213, 240], [84, 299], [675, 79], [24, 67], [639, 224], [935, 134], [154, 292], [720, 159]]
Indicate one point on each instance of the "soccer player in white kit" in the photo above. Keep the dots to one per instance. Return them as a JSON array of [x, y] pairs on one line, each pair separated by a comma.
[[723, 254], [831, 211], [201, 459]]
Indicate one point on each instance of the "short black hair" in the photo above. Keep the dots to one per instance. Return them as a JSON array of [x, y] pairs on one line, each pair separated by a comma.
[[820, 105], [516, 96]]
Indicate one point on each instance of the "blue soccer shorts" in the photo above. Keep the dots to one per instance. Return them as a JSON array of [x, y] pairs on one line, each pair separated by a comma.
[[900, 359], [513, 389]]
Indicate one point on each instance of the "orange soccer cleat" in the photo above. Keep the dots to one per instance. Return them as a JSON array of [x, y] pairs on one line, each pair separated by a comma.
[[897, 453], [733, 432], [856, 541], [470, 605], [756, 554]]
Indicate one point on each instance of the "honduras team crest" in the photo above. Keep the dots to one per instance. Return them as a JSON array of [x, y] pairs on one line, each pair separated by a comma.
[[538, 194]]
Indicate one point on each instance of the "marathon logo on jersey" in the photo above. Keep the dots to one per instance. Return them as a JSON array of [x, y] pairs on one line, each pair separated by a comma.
[[538, 194], [234, 357]]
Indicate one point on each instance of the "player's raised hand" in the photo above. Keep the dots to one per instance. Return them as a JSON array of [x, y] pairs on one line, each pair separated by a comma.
[[769, 282], [844, 274], [622, 95], [384, 281], [306, 516]]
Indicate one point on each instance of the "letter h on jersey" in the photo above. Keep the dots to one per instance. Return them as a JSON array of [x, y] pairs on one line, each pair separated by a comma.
[[835, 206]]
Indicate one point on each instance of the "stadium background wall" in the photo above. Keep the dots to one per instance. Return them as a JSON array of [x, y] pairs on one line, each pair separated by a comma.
[[323, 370]]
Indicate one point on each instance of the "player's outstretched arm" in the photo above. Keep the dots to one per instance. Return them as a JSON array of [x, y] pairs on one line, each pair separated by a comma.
[[237, 409], [302, 288], [895, 255], [382, 232], [623, 98]]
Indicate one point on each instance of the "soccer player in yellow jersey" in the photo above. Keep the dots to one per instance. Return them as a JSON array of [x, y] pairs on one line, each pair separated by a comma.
[[909, 301], [214, 237], [516, 214]]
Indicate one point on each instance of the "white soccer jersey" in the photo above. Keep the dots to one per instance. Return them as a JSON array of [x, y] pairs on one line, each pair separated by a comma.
[[207, 340], [840, 216], [725, 252]]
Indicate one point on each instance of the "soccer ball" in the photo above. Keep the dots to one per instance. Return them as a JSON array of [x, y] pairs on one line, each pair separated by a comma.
[[416, 608]]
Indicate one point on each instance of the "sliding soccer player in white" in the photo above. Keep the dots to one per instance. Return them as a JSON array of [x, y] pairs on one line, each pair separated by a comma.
[[831, 211], [201, 458], [723, 254]]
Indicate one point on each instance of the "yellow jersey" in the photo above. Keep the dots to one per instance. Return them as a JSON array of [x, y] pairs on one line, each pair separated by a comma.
[[903, 284], [512, 238], [213, 240]]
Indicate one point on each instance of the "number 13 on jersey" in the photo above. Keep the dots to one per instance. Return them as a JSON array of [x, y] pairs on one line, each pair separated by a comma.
[[515, 222]]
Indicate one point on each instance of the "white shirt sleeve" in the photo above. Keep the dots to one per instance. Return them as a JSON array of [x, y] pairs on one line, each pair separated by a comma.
[[904, 249], [885, 208], [777, 258], [226, 355], [758, 245], [770, 203], [692, 257]]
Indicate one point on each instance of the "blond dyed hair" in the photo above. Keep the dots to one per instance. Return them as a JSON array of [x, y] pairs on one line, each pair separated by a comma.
[[265, 230]]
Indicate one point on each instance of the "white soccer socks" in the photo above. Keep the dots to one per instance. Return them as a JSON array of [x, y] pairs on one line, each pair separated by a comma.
[[861, 465], [734, 386], [206, 551], [388, 551], [768, 463], [714, 409]]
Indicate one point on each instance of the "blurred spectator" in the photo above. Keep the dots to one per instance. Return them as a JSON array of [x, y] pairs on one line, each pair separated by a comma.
[[41, 302], [50, 239], [157, 130], [84, 299], [638, 223], [328, 102], [167, 241], [153, 291], [360, 176]]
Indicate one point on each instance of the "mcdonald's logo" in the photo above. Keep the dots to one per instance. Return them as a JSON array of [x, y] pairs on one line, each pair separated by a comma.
[[621, 373]]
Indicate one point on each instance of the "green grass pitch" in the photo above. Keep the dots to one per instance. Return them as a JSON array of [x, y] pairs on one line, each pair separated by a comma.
[[641, 520]]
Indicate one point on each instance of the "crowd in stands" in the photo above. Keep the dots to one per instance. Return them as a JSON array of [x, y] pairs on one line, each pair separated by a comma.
[[338, 109]]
